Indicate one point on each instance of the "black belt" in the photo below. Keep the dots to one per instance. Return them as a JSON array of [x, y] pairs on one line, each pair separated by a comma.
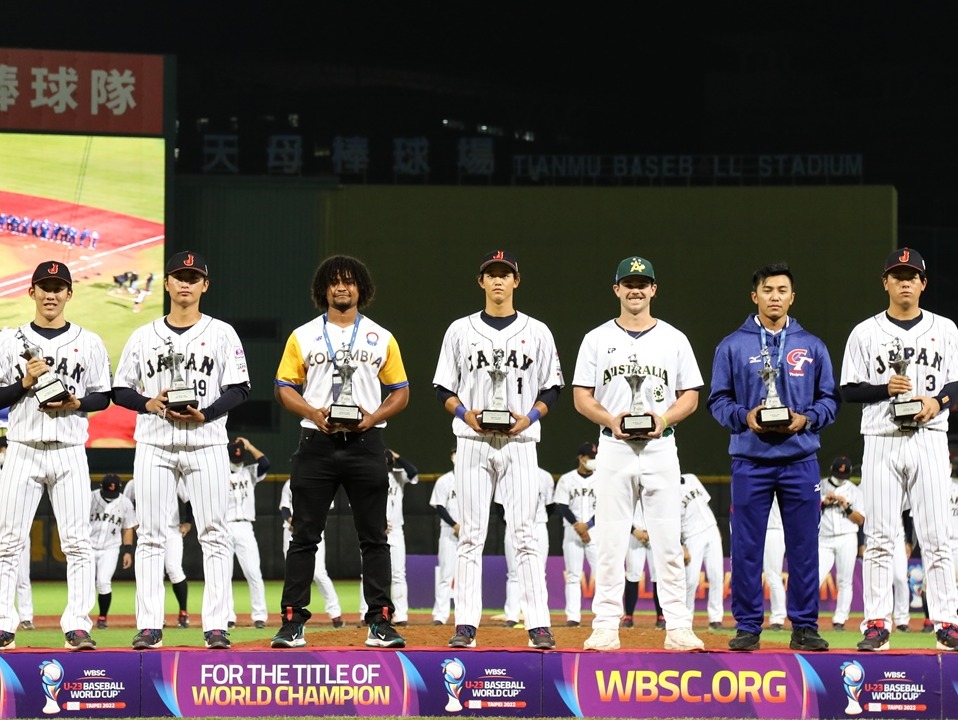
[[666, 433]]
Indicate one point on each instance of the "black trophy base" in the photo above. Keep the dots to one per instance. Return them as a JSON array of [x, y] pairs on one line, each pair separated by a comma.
[[903, 410], [637, 424], [344, 415], [181, 398], [774, 417], [53, 391], [495, 420]]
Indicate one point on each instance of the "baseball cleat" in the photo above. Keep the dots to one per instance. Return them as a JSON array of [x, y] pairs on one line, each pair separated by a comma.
[[717, 625], [876, 637], [217, 639], [745, 641], [27, 625], [148, 640], [101, 623], [383, 634], [572, 623], [79, 640], [183, 619], [541, 639], [902, 628], [807, 639], [602, 639], [338, 622], [259, 624], [947, 637], [230, 625], [627, 621], [7, 640], [290, 635], [465, 637]]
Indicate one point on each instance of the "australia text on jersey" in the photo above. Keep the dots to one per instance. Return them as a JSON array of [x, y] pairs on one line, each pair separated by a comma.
[[630, 368]]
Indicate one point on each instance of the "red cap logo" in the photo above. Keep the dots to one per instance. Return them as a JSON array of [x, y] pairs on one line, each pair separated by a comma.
[[498, 256], [53, 269], [904, 256], [189, 261]]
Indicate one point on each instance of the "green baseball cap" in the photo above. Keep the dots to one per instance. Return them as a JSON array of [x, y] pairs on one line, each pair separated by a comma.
[[634, 266]]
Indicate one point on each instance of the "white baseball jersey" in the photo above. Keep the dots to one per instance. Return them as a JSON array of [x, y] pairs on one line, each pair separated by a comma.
[[697, 515], [213, 359], [307, 366], [129, 491], [243, 480], [932, 347], [702, 540], [444, 494], [398, 479], [772, 564], [78, 358], [546, 486], [467, 356], [576, 491], [108, 520], [954, 511], [834, 521]]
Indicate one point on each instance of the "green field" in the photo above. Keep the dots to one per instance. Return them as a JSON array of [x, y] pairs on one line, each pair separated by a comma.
[[119, 174]]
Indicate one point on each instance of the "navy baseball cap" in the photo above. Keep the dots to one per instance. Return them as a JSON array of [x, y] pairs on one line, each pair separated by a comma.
[[499, 256], [905, 258], [187, 260], [587, 448], [236, 449], [634, 266], [111, 484], [52, 270], [841, 468]]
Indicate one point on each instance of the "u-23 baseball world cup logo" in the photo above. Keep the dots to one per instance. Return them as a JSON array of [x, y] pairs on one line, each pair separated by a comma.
[[453, 676], [853, 678], [51, 676]]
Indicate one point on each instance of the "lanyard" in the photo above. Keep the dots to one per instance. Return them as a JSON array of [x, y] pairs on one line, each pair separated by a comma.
[[781, 342], [352, 340]]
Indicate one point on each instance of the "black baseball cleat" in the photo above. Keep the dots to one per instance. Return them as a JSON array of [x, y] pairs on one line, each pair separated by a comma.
[[902, 628], [838, 627], [808, 640], [148, 640], [79, 640], [876, 637], [383, 634], [465, 637], [259, 624], [338, 622], [27, 625], [541, 639], [217, 639], [745, 641], [627, 621], [8, 641], [291, 635], [947, 637], [183, 619]]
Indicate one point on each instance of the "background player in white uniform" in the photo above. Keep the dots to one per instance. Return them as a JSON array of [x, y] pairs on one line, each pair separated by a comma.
[[838, 535], [512, 610], [498, 460], [340, 358], [773, 565], [444, 500], [112, 519], [323, 582], [187, 445], [178, 526], [899, 460], [702, 540], [575, 501], [627, 466], [240, 516], [635, 560], [24, 588], [45, 447], [405, 474]]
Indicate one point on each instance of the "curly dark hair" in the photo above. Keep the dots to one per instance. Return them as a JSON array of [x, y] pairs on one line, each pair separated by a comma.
[[342, 267], [771, 270]]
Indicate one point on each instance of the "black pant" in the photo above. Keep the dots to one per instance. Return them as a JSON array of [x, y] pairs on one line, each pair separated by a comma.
[[320, 465]]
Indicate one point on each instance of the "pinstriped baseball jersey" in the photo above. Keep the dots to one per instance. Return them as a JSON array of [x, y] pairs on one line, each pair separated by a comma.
[[444, 494], [129, 492], [530, 360], [307, 366], [932, 347], [78, 358], [108, 518], [213, 359], [545, 497], [242, 504], [663, 354], [576, 491], [954, 511], [834, 521], [398, 479], [697, 516]]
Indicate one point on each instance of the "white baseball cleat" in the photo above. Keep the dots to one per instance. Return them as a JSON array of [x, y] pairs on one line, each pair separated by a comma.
[[603, 639], [682, 639]]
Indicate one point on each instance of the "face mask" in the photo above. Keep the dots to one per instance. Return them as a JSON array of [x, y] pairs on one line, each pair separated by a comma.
[[590, 464]]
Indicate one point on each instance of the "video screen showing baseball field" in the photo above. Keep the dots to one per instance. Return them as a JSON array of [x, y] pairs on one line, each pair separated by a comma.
[[95, 203]]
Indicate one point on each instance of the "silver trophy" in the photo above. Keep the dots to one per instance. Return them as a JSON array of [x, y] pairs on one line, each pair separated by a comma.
[[344, 410], [773, 414], [903, 407], [497, 415], [179, 395], [49, 388], [639, 421]]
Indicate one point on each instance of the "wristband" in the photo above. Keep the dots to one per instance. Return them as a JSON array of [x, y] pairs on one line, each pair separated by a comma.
[[461, 412], [665, 423], [534, 416], [126, 549], [848, 510]]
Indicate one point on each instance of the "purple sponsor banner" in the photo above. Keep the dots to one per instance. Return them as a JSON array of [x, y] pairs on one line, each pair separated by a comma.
[[381, 683], [38, 684], [949, 690]]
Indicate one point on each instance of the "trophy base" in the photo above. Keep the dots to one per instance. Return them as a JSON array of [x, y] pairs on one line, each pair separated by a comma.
[[774, 417], [495, 420], [53, 391], [344, 415], [182, 398], [906, 409], [637, 424]]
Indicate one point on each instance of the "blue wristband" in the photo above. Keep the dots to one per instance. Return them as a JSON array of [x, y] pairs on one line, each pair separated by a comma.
[[461, 412], [534, 415]]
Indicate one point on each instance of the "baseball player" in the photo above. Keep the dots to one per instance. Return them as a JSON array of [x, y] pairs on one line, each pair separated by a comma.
[[773, 560], [702, 540], [178, 527], [240, 517], [575, 502], [320, 576], [332, 375], [906, 456], [512, 610], [498, 359], [112, 519], [443, 499], [635, 560], [45, 445], [838, 535], [772, 353], [186, 349], [636, 364]]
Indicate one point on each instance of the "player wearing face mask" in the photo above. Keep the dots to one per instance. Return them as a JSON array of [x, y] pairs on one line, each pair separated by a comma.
[[575, 503]]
